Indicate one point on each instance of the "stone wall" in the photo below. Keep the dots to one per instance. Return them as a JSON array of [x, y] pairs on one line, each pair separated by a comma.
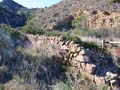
[[83, 61]]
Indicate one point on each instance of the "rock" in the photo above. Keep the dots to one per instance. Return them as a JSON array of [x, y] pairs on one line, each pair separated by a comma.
[[75, 54], [64, 47], [71, 55], [99, 80], [67, 43], [83, 59], [73, 49], [83, 66], [61, 38], [115, 85], [110, 76], [78, 49], [74, 63], [71, 43], [90, 68], [61, 43], [83, 52]]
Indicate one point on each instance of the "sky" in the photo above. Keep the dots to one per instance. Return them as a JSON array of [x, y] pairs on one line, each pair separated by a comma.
[[37, 3]]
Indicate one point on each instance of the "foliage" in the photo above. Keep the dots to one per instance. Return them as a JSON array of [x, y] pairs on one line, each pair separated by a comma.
[[2, 87], [9, 30], [24, 12], [29, 28], [78, 22], [63, 86], [69, 36], [52, 33], [114, 1]]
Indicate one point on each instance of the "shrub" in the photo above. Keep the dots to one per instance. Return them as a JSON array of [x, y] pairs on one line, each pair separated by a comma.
[[79, 22], [114, 1], [63, 86], [52, 33], [2, 87], [29, 28], [9, 30], [69, 36], [95, 33]]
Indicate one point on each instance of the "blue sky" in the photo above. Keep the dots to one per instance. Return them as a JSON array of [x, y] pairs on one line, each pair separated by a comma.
[[36, 3]]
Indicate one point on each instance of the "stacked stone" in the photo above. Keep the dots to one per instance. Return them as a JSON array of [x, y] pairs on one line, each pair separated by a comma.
[[83, 61]]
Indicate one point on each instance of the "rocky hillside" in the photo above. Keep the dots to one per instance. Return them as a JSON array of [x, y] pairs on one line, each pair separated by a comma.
[[10, 18], [61, 15], [11, 5], [52, 59]]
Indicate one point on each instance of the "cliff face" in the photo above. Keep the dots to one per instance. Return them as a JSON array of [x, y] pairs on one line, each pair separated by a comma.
[[107, 15]]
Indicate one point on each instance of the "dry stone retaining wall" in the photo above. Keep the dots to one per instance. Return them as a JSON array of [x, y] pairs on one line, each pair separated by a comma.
[[83, 61]]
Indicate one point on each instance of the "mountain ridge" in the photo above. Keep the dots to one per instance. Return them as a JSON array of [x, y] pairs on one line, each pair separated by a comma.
[[12, 5], [10, 18]]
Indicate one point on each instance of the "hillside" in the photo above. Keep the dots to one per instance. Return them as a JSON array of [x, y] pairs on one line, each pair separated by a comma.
[[10, 18], [61, 15], [11, 5], [72, 45]]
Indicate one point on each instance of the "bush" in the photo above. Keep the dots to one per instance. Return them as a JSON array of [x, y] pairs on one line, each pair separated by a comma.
[[52, 33], [9, 30], [70, 37], [114, 1], [63, 86], [2, 87], [78, 21], [29, 28]]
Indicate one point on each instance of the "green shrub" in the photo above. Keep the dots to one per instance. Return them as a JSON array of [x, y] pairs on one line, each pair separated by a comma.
[[2, 87], [70, 37], [61, 86], [29, 28], [76, 32], [52, 33], [114, 1], [78, 20], [104, 87], [95, 33], [9, 30]]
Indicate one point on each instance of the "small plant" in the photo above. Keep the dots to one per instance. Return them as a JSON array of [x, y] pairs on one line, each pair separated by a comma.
[[104, 87], [29, 28], [52, 33], [68, 85], [114, 1], [79, 22], [9, 30], [70, 37], [2, 87]]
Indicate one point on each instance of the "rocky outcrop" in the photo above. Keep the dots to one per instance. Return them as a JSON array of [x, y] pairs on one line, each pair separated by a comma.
[[82, 61]]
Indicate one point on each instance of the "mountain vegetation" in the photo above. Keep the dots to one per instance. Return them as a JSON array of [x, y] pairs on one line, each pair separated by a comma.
[[62, 47]]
